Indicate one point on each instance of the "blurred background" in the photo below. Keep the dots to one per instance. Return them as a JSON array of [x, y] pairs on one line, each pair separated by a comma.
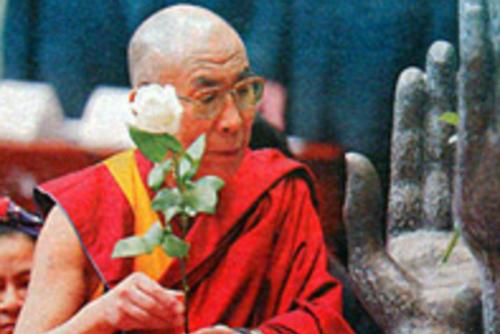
[[332, 66], [2, 18]]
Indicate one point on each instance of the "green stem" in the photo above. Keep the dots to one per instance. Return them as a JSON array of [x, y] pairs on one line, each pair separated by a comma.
[[177, 176], [183, 263], [451, 245], [184, 225]]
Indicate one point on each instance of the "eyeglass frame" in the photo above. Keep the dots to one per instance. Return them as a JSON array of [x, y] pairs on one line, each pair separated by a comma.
[[221, 95]]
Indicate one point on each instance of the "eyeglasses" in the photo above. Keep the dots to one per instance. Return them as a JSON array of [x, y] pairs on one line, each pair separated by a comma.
[[246, 94]]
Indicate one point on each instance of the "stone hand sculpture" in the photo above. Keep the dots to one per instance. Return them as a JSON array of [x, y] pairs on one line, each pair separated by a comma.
[[405, 285], [477, 185]]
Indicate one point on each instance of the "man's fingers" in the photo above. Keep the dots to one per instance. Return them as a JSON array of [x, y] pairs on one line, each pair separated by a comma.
[[406, 152], [165, 298], [146, 302], [218, 329], [135, 312], [441, 70], [140, 302], [137, 317]]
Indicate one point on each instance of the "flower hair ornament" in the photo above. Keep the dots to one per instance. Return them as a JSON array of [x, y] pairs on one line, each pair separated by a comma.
[[18, 218], [156, 109]]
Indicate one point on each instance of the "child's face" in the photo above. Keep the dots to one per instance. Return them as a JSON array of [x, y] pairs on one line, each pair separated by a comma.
[[16, 254]]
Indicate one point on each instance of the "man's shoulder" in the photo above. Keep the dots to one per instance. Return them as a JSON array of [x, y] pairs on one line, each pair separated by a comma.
[[270, 158], [281, 170], [86, 175], [264, 169], [75, 185], [92, 171]]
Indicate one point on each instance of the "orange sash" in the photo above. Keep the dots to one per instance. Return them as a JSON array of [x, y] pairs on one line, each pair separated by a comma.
[[124, 170]]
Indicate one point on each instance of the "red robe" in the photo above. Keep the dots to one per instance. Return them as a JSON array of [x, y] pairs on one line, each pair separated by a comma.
[[259, 262]]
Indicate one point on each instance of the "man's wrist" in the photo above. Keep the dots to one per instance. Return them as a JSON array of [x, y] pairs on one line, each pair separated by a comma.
[[92, 316]]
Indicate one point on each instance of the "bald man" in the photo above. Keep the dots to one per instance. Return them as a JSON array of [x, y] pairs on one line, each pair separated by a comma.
[[256, 266]]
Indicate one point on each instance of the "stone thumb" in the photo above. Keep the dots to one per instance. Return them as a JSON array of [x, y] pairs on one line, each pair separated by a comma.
[[362, 211]]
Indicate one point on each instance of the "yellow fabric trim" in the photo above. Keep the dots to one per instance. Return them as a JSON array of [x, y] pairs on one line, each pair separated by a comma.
[[98, 292], [124, 169]]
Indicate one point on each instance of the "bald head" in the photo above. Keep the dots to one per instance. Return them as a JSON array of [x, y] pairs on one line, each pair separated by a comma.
[[174, 35]]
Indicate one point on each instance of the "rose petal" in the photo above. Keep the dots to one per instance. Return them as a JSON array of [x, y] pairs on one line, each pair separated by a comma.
[[157, 109]]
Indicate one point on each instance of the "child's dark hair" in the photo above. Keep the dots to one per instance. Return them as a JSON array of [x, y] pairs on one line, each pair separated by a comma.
[[15, 219]]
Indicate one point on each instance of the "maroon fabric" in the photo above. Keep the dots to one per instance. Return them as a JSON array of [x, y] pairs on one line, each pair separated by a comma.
[[259, 261], [100, 214]]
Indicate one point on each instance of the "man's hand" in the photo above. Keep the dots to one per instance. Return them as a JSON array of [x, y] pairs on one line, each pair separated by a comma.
[[140, 303], [136, 303], [219, 329]]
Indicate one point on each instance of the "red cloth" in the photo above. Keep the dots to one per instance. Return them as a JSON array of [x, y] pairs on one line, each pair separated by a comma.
[[260, 261], [4, 206]]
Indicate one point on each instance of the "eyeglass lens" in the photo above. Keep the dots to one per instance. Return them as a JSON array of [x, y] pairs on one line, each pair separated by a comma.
[[246, 94]]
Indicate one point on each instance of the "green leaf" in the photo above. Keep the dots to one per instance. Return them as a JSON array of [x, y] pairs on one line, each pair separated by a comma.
[[450, 118], [154, 236], [131, 246], [170, 212], [190, 211], [156, 176], [175, 246], [167, 165], [202, 197], [166, 198], [210, 181], [168, 229], [154, 145], [190, 160], [195, 151], [186, 168]]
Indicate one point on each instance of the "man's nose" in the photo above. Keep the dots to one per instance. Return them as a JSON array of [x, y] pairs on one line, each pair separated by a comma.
[[12, 300], [230, 119]]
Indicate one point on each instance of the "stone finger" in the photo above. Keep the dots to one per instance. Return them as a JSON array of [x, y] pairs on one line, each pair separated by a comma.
[[441, 70], [475, 84], [405, 194]]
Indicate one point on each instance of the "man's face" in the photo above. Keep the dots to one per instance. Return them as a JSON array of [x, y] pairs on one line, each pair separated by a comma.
[[207, 76]]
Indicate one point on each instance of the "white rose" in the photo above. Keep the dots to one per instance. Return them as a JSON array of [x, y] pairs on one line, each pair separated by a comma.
[[157, 109]]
